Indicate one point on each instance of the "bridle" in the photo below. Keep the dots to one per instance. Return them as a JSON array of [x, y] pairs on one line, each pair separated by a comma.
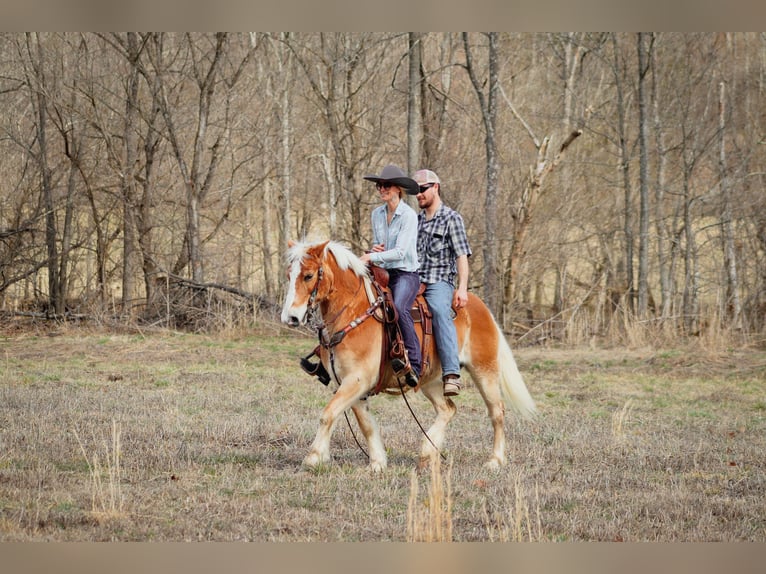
[[330, 341], [313, 296]]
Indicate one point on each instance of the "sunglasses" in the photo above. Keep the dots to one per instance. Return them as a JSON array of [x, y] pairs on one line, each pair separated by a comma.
[[383, 185], [426, 187]]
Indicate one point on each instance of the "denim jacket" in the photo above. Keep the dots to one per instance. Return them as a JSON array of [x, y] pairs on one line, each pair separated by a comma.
[[400, 238]]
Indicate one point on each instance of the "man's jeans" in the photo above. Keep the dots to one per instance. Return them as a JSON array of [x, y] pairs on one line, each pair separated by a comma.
[[404, 287], [439, 298]]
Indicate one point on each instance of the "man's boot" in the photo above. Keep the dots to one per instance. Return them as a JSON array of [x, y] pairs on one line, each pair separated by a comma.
[[451, 385]]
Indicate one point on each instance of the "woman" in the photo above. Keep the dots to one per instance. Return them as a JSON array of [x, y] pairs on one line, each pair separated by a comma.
[[394, 236]]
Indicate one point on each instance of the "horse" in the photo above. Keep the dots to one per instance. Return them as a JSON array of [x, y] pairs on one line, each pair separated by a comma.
[[328, 279]]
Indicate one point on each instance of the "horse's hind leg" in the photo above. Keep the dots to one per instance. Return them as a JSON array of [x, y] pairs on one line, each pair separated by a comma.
[[445, 410], [371, 431], [489, 387]]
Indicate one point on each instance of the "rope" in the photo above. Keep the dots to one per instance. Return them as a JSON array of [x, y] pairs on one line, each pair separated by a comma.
[[345, 413], [425, 433], [353, 434]]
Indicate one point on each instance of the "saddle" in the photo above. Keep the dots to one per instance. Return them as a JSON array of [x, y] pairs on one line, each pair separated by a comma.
[[393, 345]]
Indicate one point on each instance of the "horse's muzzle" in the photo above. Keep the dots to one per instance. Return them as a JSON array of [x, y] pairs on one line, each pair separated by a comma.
[[293, 319]]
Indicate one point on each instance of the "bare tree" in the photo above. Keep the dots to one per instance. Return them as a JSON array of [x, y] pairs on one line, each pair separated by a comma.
[[279, 82], [343, 71], [205, 60], [698, 125], [733, 305], [436, 87], [665, 260], [38, 86], [160, 153], [620, 73], [488, 107], [644, 68], [415, 103]]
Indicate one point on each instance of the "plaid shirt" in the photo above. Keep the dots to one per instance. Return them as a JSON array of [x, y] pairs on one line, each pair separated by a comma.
[[441, 240]]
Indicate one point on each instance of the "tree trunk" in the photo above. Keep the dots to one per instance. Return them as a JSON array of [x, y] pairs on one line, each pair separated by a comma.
[[488, 106], [625, 170], [145, 213], [73, 148], [285, 68], [691, 279], [415, 106], [663, 257], [128, 180], [266, 233], [37, 85], [435, 105], [732, 305], [643, 144]]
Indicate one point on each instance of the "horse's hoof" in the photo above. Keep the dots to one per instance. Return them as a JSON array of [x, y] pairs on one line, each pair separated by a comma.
[[313, 460], [378, 466]]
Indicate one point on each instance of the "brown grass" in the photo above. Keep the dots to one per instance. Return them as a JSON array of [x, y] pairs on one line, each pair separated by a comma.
[[172, 437]]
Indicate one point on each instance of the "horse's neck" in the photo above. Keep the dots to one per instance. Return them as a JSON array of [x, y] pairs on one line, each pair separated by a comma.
[[348, 298]]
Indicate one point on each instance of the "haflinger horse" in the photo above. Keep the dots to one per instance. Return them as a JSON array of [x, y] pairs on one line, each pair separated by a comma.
[[328, 278]]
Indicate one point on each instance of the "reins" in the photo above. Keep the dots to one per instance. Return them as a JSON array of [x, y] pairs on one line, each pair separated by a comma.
[[414, 416]]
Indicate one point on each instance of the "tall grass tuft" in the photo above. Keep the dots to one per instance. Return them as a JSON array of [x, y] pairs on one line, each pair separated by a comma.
[[520, 522], [619, 419], [430, 519], [106, 476]]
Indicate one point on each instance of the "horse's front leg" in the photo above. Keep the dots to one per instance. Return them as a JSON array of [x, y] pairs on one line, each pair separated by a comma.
[[348, 393], [371, 431]]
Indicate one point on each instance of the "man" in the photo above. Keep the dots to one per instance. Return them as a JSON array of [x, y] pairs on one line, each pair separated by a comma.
[[443, 252]]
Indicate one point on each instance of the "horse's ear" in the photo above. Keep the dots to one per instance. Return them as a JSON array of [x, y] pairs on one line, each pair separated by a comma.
[[318, 250]]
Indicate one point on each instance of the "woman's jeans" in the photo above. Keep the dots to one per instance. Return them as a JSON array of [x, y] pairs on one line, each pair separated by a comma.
[[404, 287], [439, 298]]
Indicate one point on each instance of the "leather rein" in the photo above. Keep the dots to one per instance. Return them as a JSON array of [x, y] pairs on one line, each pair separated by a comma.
[[329, 342]]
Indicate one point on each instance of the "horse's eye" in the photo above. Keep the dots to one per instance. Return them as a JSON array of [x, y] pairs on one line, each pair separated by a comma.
[[308, 276]]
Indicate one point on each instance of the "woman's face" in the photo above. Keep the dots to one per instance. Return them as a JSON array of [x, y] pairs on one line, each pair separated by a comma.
[[387, 191]]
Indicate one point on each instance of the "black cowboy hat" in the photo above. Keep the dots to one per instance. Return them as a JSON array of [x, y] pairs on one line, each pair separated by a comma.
[[393, 174]]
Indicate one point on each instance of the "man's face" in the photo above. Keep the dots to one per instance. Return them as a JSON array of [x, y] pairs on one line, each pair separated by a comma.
[[426, 195]]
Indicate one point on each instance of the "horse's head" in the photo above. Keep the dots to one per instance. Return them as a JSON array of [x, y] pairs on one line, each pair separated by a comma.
[[311, 271], [305, 272]]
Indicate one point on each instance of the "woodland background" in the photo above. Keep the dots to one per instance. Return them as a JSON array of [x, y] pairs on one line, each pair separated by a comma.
[[612, 184]]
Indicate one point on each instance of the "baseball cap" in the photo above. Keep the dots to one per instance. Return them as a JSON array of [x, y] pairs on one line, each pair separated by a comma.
[[424, 176]]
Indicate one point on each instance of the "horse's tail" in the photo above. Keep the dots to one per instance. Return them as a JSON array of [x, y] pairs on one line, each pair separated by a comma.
[[511, 381]]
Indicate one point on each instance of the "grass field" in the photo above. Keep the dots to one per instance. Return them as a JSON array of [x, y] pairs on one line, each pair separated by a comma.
[[178, 437]]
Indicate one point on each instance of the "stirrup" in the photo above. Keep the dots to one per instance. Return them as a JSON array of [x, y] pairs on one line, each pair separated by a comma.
[[399, 365], [316, 370], [402, 368]]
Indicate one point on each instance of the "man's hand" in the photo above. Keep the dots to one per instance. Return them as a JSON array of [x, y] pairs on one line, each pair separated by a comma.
[[460, 298]]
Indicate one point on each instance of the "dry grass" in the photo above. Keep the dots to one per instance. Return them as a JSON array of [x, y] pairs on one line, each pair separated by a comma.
[[430, 519], [107, 436]]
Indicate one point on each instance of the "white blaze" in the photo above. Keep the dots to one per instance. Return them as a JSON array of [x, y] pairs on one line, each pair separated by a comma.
[[287, 311]]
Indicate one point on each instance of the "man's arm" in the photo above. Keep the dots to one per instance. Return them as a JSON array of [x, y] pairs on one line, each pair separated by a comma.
[[460, 299]]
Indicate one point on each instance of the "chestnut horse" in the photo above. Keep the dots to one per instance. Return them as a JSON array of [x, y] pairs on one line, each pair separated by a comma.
[[329, 278]]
